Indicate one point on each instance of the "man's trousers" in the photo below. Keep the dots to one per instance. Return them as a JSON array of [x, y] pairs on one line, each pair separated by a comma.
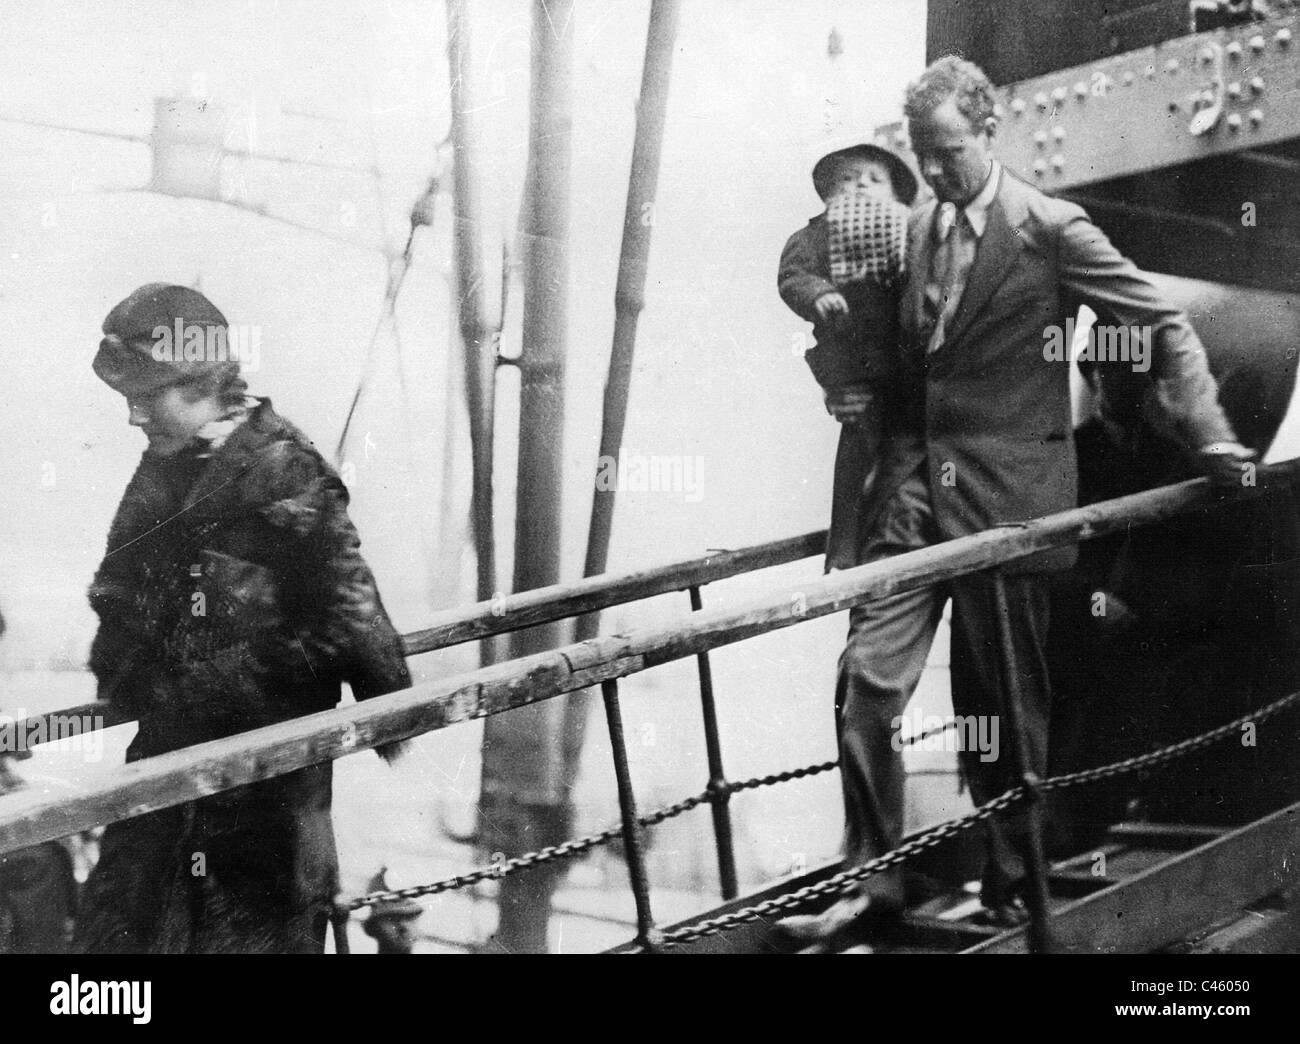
[[889, 641]]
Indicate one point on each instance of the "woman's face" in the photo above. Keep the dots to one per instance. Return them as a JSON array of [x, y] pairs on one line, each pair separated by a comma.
[[169, 418]]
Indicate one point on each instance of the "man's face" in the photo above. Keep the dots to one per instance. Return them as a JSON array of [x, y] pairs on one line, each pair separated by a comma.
[[954, 158], [169, 418], [859, 174]]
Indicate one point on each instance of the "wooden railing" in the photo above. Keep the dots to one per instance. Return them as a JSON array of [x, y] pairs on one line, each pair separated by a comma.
[[28, 817], [516, 612]]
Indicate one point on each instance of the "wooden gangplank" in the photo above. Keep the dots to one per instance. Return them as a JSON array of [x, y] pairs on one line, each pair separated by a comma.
[[1161, 885]]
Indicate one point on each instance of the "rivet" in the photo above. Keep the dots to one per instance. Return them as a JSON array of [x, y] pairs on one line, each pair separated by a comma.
[[1039, 167], [1234, 49], [900, 139], [1256, 116], [1283, 37], [1017, 105], [1058, 161], [1234, 121], [1256, 85], [1058, 95], [1128, 77], [1040, 99], [1058, 133], [1171, 66], [1234, 89], [1040, 138], [1081, 90], [1206, 55], [1256, 43], [1150, 72]]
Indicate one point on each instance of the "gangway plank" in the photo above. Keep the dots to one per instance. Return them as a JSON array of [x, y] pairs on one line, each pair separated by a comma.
[[1165, 885]]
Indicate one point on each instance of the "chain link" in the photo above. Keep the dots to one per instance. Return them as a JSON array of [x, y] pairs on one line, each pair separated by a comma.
[[579, 845], [1170, 753], [934, 836], [943, 831], [780, 777], [928, 839]]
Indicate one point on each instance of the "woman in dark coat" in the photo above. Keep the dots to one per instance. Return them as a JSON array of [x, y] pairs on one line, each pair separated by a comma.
[[232, 596]]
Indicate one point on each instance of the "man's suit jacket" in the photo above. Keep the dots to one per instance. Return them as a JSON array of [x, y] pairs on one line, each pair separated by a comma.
[[986, 413]]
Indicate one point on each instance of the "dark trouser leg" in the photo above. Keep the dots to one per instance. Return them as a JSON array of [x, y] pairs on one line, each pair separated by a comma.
[[978, 690], [888, 643], [124, 900]]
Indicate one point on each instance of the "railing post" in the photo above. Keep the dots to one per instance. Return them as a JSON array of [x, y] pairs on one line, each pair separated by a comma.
[[1040, 937], [718, 791], [339, 917], [646, 933]]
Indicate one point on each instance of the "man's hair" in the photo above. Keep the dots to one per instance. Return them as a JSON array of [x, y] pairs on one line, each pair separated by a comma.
[[951, 77]]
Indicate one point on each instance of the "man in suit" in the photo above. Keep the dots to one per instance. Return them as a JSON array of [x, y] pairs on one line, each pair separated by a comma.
[[979, 435]]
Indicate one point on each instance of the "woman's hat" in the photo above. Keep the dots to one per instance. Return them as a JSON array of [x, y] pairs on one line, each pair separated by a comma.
[[161, 335]]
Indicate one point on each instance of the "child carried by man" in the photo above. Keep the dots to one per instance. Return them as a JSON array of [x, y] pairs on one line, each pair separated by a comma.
[[842, 272]]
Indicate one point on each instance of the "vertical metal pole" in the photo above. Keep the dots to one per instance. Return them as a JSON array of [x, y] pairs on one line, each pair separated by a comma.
[[719, 795], [1040, 939], [529, 760], [339, 918], [479, 325], [629, 292], [646, 934]]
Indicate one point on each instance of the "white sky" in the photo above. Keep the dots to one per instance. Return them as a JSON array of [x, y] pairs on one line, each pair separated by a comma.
[[753, 95]]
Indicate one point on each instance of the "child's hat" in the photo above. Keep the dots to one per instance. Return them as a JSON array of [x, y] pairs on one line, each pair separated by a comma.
[[905, 183]]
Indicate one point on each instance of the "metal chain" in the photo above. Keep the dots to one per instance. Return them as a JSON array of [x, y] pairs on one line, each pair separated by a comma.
[[1170, 753], [526, 861], [832, 884], [928, 839], [935, 835], [921, 737], [578, 845], [780, 777]]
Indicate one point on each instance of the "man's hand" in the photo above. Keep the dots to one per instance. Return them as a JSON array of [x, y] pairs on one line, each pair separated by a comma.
[[848, 405], [830, 305], [1227, 463], [396, 754]]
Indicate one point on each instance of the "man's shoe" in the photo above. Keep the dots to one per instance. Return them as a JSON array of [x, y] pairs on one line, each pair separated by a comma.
[[1007, 914], [842, 916]]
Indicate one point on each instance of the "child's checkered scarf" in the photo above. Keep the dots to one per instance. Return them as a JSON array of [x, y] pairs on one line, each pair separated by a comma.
[[867, 238]]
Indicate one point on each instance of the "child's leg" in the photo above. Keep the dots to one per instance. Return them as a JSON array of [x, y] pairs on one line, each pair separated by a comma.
[[856, 464]]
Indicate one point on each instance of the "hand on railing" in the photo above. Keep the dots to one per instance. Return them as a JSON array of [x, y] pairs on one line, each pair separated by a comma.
[[396, 754], [1228, 463]]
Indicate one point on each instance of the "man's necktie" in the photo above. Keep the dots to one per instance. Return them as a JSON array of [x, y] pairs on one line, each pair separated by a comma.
[[943, 271]]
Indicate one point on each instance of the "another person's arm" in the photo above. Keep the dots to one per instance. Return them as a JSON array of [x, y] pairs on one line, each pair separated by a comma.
[[1098, 275]]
